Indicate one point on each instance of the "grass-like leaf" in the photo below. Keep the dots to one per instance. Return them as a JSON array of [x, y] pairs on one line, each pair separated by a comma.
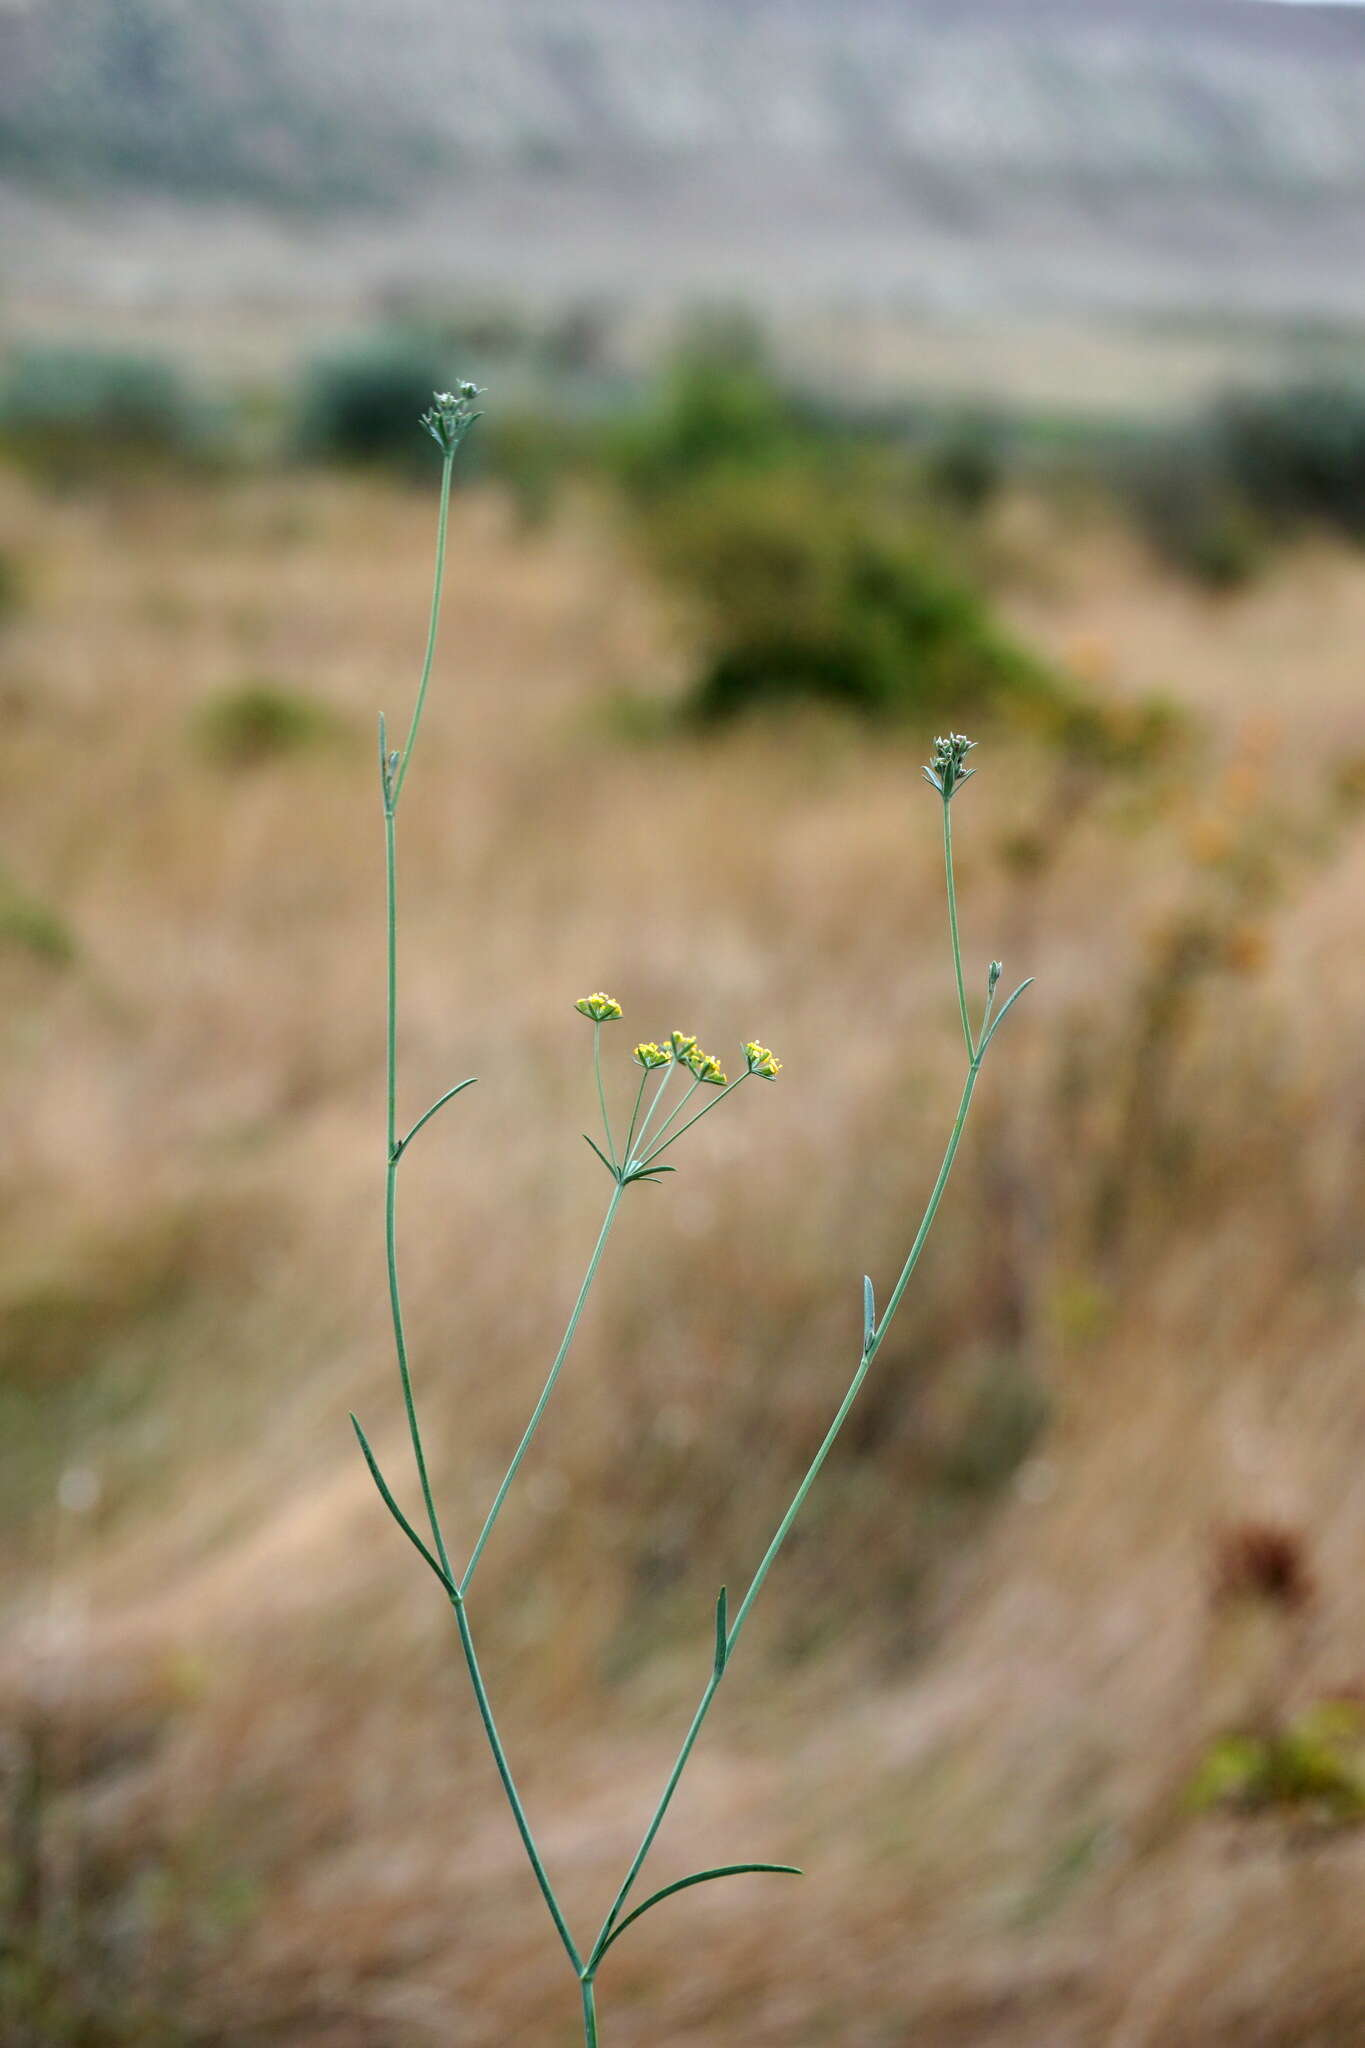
[[391, 1504], [698, 1877]]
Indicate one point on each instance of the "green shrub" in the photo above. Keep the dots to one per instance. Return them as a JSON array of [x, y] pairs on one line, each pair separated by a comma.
[[1212, 494], [11, 587], [531, 453], [966, 462], [63, 406], [1298, 454], [1315, 1763], [260, 721], [717, 406], [1194, 516], [357, 403], [807, 594], [31, 927]]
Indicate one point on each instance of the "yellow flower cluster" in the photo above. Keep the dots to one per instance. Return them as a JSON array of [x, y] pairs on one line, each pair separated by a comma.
[[600, 1007], [705, 1067], [761, 1061], [681, 1047]]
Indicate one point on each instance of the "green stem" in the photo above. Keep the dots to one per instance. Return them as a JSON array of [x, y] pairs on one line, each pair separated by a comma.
[[601, 1092], [650, 1113], [394, 1153], [508, 1786], [657, 1822], [391, 1197], [952, 926], [589, 2013], [927, 1220], [441, 522], [676, 1110], [729, 1089], [793, 1511], [634, 1115], [549, 1387]]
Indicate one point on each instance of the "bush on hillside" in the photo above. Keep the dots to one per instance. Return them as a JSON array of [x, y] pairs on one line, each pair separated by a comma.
[[1299, 454], [63, 407], [716, 407], [807, 594], [361, 403]]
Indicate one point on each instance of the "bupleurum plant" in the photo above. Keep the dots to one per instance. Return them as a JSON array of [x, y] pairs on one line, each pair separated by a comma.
[[638, 1156]]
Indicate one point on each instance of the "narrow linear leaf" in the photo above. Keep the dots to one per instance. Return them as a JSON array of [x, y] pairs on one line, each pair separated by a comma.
[[869, 1312], [391, 1504], [699, 1877], [439, 1103], [384, 778], [601, 1155], [722, 1633], [1005, 1009]]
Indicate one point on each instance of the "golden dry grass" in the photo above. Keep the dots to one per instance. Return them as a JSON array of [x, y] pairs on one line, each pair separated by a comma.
[[246, 1797]]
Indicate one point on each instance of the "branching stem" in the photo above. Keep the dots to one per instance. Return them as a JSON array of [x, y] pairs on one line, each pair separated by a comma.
[[638, 1155], [534, 1424]]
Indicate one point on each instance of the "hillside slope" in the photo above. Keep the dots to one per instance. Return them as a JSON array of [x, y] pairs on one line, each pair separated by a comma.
[[1135, 155]]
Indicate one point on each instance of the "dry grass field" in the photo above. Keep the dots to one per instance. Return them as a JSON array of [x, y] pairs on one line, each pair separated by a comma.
[[1100, 1504]]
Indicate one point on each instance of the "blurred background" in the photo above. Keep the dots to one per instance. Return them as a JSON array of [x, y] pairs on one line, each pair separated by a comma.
[[854, 373]]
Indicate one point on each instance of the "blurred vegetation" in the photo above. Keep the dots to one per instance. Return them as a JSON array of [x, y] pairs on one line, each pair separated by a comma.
[[1256, 468], [359, 403], [32, 927], [1315, 1762], [804, 591], [11, 586], [65, 410], [259, 720]]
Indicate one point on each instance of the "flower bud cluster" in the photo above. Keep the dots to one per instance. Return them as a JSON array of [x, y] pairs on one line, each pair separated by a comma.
[[947, 770], [451, 414]]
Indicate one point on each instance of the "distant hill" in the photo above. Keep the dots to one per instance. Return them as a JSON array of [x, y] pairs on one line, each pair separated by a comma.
[[1140, 154]]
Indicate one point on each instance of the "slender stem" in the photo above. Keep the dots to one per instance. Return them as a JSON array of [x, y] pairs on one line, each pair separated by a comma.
[[549, 1387], [676, 1110], [601, 1092], [793, 1511], [441, 522], [504, 1772], [589, 2013], [664, 1080], [639, 1098], [715, 1100], [927, 1220], [394, 1153], [952, 926], [390, 1201], [657, 1822]]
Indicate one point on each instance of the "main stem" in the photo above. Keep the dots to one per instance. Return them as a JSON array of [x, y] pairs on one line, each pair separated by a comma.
[[393, 1155], [438, 583], [391, 1195], [952, 927], [589, 2013]]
